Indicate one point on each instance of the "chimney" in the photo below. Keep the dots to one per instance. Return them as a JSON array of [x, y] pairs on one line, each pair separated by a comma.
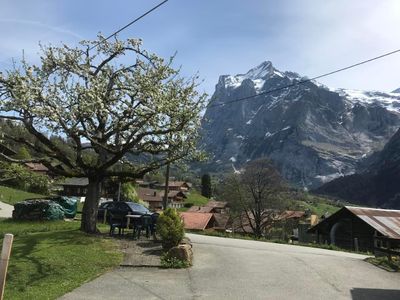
[[155, 193]]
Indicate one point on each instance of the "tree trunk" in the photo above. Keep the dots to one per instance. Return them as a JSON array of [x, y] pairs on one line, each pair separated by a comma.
[[90, 207], [258, 231]]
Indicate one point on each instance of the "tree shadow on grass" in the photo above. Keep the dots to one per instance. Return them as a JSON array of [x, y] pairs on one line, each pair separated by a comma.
[[27, 265]]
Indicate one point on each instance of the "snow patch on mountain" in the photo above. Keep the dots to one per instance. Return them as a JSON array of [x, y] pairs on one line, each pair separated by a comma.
[[390, 101], [257, 75]]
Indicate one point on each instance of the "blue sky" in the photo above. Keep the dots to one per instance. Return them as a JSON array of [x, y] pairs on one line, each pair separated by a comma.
[[215, 37]]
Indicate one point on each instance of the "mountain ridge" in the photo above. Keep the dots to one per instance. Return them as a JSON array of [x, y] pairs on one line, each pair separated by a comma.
[[376, 185], [312, 133]]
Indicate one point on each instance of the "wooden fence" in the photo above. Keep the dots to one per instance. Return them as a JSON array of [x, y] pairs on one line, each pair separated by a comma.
[[5, 257], [386, 246]]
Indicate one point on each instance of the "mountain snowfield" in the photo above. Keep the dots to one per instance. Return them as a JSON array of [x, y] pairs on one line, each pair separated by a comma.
[[313, 133]]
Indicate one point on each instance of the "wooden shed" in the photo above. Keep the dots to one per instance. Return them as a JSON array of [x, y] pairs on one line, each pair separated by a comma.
[[359, 228]]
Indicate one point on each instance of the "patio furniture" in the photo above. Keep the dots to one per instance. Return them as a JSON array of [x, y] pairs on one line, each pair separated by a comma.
[[117, 221], [154, 218], [143, 223], [132, 220]]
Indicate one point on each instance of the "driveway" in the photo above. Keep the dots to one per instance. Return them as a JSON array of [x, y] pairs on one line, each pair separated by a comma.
[[6, 210], [240, 269]]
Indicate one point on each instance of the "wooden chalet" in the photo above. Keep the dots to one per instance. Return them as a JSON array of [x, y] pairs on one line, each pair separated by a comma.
[[151, 196], [182, 186], [37, 168], [77, 187], [154, 198]]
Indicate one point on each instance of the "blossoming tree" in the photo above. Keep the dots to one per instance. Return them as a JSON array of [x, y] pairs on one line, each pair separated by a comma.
[[105, 106]]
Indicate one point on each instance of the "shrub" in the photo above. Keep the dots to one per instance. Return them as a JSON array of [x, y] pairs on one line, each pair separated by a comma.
[[20, 177], [173, 262], [170, 228], [188, 204]]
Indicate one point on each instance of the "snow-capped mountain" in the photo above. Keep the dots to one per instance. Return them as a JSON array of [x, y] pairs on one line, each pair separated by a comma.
[[313, 134]]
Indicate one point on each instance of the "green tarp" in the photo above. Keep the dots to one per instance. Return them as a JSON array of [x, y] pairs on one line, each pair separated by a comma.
[[38, 209], [70, 205], [52, 208]]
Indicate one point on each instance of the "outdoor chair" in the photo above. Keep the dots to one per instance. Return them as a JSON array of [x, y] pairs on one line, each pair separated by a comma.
[[144, 223], [117, 221], [154, 218]]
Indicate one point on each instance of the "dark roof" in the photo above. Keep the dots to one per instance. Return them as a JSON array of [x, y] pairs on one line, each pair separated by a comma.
[[217, 204], [153, 195], [149, 195], [201, 209], [172, 194], [385, 221], [221, 221], [75, 181], [7, 151], [176, 184]]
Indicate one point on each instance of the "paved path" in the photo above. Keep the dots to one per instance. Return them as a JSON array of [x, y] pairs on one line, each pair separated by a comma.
[[6, 210], [241, 269]]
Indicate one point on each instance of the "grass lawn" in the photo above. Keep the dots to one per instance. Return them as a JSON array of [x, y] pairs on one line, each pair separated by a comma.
[[196, 198], [319, 208], [12, 196], [49, 259], [384, 263]]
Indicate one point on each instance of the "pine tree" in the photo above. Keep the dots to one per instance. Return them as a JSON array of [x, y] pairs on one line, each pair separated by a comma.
[[206, 186]]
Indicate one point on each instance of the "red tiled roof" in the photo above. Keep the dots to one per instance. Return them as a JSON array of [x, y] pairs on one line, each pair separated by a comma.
[[197, 221]]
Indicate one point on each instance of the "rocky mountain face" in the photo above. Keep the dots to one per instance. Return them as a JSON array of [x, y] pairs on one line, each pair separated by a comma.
[[313, 134], [377, 185]]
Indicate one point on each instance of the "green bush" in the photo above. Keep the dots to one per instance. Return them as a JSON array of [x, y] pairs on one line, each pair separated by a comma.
[[20, 177], [170, 228]]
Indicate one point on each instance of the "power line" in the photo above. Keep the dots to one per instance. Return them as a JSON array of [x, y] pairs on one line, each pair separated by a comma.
[[304, 81], [129, 24]]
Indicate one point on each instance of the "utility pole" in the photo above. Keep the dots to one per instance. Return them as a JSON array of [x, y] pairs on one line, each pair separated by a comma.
[[165, 200], [119, 189]]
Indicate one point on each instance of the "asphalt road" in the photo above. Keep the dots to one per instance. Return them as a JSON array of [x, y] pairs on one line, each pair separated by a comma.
[[241, 269]]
